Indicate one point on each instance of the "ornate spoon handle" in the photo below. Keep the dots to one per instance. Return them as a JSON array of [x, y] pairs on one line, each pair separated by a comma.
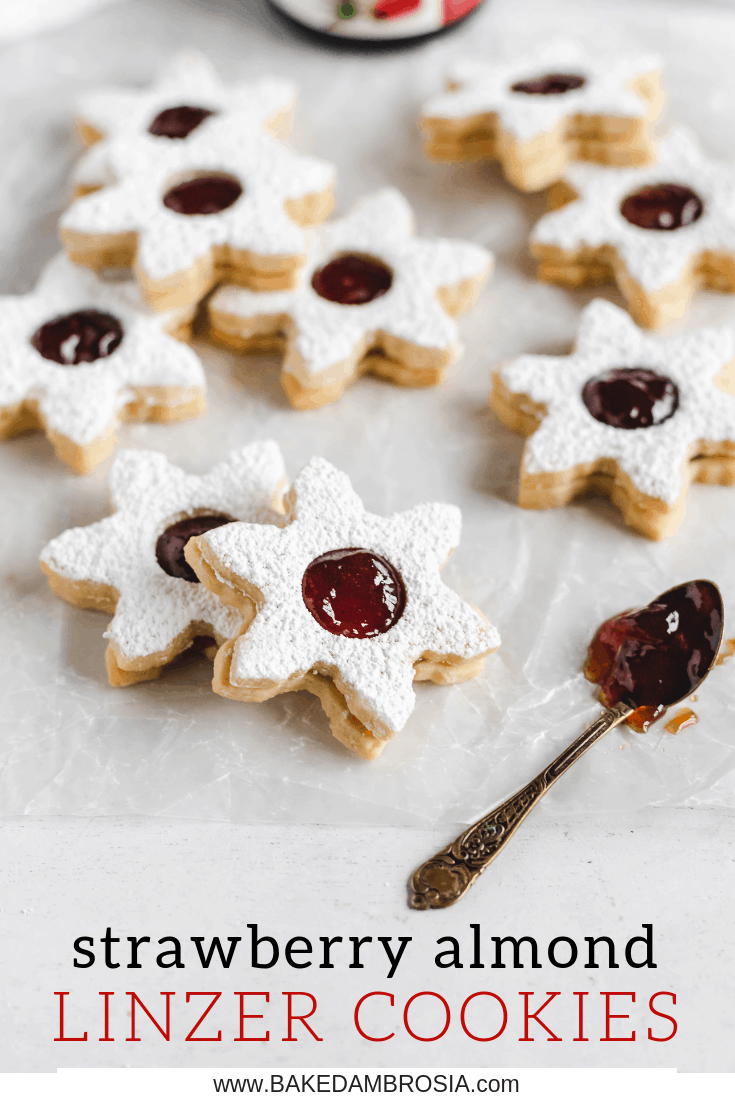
[[446, 876]]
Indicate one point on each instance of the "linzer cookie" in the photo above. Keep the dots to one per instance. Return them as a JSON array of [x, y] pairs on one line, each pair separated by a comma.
[[372, 298], [132, 563], [185, 96], [537, 114], [350, 606], [187, 214], [629, 416], [659, 232], [80, 355]]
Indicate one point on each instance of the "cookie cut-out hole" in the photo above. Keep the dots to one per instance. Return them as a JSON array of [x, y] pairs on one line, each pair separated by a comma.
[[353, 592], [662, 207], [171, 543], [203, 193], [631, 398], [352, 280], [178, 122], [553, 84], [81, 337]]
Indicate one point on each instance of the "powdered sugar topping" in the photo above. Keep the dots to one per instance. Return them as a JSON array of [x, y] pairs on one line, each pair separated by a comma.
[[188, 79], [480, 88], [268, 172], [81, 402], [149, 494], [653, 457], [653, 258], [284, 638], [380, 226]]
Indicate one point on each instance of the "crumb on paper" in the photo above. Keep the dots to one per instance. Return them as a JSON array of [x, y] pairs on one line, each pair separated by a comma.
[[727, 649], [684, 718]]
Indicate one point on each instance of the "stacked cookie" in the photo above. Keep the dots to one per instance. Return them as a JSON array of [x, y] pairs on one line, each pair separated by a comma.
[[625, 415], [189, 184]]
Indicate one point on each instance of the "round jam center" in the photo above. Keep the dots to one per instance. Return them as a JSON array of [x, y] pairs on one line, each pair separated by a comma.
[[78, 338], [203, 195], [353, 592], [553, 84], [178, 122], [663, 207], [654, 656], [631, 398], [171, 543], [352, 280]]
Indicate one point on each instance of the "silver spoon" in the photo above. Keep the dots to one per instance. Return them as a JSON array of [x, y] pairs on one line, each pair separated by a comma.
[[449, 874]]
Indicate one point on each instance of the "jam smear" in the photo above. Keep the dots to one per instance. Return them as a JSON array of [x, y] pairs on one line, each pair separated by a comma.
[[178, 122], [171, 543], [662, 207], [78, 338], [353, 592], [654, 656], [684, 718], [553, 84], [352, 280], [631, 398], [203, 195]]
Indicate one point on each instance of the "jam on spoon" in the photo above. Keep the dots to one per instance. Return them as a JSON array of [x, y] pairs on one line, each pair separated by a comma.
[[644, 661], [654, 656]]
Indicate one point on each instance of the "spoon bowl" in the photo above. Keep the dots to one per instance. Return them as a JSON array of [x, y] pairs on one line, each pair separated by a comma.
[[645, 661]]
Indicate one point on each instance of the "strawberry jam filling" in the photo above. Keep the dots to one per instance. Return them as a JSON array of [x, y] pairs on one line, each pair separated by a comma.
[[203, 195], [178, 122], [654, 656], [663, 207], [631, 398], [78, 338], [352, 280], [171, 543], [553, 84], [353, 592]]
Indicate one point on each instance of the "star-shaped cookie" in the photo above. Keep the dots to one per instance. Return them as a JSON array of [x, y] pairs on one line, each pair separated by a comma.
[[372, 297], [187, 93], [350, 606], [660, 232], [186, 215], [538, 113], [131, 563], [627, 415], [80, 355]]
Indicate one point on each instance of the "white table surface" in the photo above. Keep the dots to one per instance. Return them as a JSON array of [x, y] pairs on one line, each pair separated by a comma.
[[571, 875], [581, 876]]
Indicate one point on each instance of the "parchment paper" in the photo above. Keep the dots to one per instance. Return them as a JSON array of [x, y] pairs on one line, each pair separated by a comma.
[[70, 744]]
